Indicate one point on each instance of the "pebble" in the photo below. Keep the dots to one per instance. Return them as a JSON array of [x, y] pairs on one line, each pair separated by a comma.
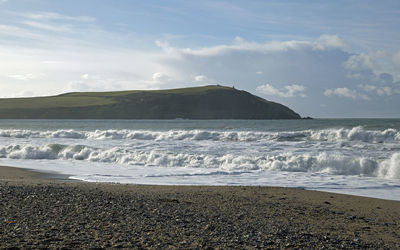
[[80, 216]]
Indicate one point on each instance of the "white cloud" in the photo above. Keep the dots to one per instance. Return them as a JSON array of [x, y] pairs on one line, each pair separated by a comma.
[[160, 77], [379, 66], [17, 32], [325, 42], [259, 72], [106, 82], [360, 62], [379, 90], [367, 87], [85, 76], [25, 77], [31, 30], [341, 92], [238, 40], [91, 77], [51, 62], [49, 27], [98, 85], [201, 78], [346, 93], [385, 91], [55, 16], [287, 91]]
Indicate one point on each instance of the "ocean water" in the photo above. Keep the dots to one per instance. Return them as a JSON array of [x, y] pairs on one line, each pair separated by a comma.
[[351, 156]]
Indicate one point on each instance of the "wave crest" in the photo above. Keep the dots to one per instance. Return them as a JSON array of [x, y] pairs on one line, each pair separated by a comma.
[[341, 134], [356, 134], [322, 163]]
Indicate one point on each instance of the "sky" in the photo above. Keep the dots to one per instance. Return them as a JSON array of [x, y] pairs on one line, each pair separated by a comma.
[[324, 59]]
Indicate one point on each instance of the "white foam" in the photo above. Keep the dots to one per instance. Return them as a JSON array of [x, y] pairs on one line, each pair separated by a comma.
[[342, 134], [332, 163], [116, 173], [348, 160], [356, 134], [390, 168]]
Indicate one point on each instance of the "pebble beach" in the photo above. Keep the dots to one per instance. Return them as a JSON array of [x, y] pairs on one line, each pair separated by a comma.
[[47, 211]]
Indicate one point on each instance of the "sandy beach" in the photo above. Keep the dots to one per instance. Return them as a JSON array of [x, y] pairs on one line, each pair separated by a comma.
[[43, 210]]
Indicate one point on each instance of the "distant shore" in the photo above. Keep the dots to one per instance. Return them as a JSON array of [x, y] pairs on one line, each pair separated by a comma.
[[44, 210]]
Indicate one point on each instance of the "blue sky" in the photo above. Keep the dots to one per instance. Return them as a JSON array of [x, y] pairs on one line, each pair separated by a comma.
[[321, 58]]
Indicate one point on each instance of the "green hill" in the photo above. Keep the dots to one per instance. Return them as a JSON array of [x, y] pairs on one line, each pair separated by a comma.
[[208, 102]]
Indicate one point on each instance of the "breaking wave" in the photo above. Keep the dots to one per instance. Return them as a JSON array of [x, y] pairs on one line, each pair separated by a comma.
[[356, 134], [322, 163], [341, 134]]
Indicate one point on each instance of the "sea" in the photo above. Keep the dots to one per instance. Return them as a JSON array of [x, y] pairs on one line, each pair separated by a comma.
[[349, 156]]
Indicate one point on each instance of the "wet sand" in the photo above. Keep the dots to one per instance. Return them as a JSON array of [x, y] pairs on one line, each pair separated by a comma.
[[45, 210]]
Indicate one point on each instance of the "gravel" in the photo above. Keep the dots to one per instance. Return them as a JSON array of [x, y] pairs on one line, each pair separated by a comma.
[[59, 214]]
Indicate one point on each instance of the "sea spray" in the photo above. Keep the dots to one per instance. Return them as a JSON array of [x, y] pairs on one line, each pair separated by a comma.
[[390, 168]]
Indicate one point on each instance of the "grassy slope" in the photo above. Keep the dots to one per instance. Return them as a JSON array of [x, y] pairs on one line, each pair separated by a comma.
[[84, 99], [208, 102]]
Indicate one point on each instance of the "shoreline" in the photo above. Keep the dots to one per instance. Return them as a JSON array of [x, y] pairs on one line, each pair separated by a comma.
[[41, 175], [41, 210], [9, 173]]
